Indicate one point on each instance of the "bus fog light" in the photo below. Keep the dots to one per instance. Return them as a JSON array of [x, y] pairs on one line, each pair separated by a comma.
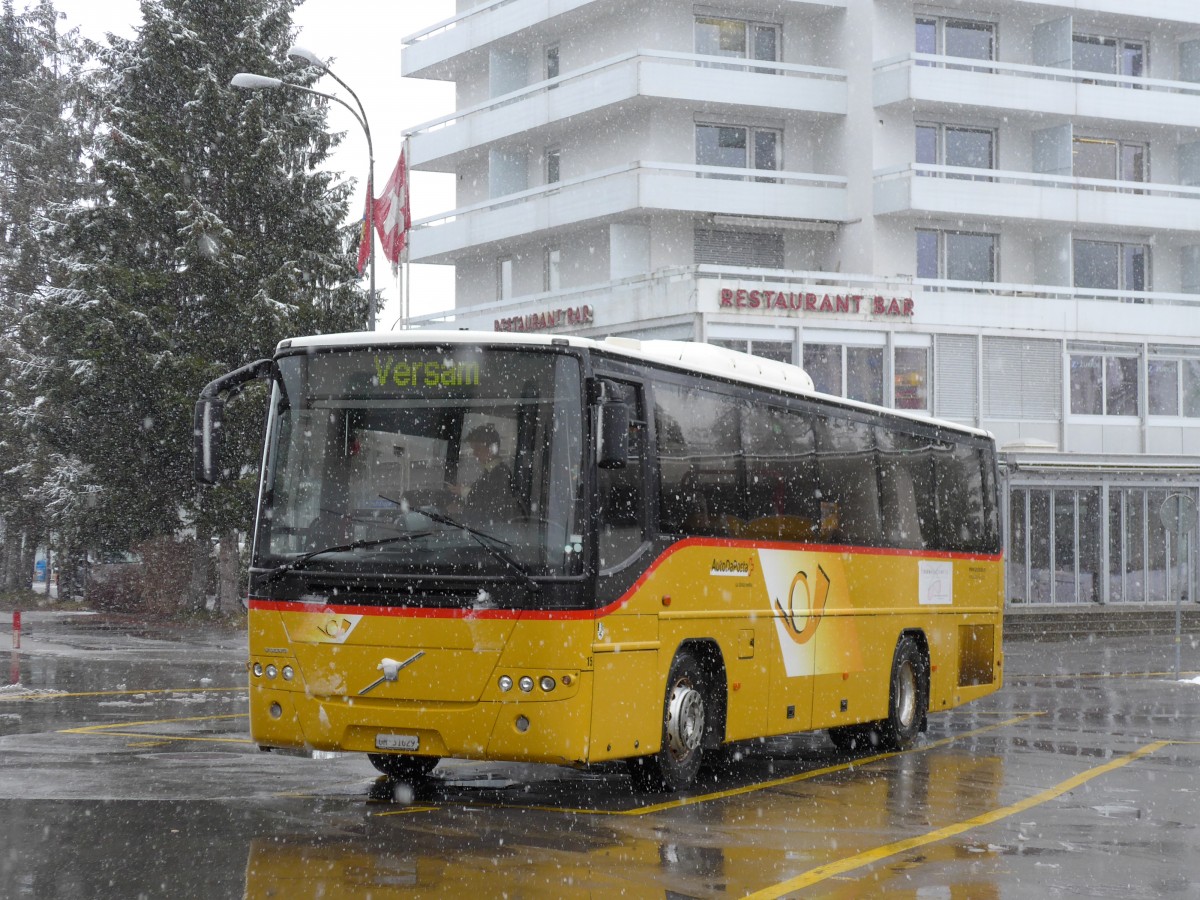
[[547, 683], [525, 684], [276, 710], [522, 724], [288, 673], [272, 671], [258, 669], [505, 684]]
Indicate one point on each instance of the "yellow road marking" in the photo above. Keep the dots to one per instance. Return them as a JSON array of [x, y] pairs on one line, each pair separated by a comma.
[[869, 857], [1050, 677], [124, 693], [150, 737], [761, 785]]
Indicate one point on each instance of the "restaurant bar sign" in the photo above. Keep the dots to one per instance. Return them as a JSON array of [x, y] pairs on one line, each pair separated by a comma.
[[547, 319], [811, 302]]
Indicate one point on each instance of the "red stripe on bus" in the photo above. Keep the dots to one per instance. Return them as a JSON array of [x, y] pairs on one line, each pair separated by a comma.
[[567, 615]]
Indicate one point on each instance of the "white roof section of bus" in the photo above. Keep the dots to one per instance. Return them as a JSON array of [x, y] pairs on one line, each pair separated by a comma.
[[705, 359]]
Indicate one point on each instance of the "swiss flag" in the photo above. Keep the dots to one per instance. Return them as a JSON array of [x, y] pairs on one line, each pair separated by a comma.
[[392, 218], [364, 242]]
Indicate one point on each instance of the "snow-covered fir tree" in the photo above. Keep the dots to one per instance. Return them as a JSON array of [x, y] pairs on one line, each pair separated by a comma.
[[215, 234]]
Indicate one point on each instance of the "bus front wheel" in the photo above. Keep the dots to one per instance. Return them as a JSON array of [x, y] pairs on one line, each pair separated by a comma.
[[685, 715], [402, 767]]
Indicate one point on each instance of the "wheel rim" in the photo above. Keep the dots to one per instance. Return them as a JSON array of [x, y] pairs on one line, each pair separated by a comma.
[[685, 720], [906, 696]]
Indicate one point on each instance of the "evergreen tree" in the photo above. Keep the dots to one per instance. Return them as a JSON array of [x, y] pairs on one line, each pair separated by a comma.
[[44, 129], [215, 235]]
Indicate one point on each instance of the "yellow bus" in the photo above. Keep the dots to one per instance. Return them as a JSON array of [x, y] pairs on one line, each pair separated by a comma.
[[553, 549]]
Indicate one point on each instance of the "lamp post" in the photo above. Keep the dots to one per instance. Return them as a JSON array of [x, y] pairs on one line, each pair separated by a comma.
[[248, 81]]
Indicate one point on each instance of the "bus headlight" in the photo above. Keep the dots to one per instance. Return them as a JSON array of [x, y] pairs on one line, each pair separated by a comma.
[[257, 670], [525, 684], [288, 673], [547, 683], [271, 671], [505, 684]]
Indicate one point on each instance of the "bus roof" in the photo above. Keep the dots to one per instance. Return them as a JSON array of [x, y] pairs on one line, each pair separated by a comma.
[[687, 356]]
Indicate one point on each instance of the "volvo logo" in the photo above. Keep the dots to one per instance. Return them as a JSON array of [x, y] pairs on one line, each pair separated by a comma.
[[390, 669]]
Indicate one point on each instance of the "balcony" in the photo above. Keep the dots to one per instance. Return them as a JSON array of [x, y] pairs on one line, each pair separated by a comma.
[[985, 84], [702, 81], [998, 195], [1185, 11], [673, 295], [427, 53], [630, 191]]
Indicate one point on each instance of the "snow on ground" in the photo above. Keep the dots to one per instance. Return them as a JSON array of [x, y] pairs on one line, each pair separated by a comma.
[[19, 690]]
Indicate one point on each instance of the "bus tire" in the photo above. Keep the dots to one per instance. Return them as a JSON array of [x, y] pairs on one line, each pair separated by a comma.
[[908, 695], [686, 709], [401, 766]]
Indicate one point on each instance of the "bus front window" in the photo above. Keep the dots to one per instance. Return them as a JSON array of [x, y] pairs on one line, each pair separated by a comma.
[[439, 448]]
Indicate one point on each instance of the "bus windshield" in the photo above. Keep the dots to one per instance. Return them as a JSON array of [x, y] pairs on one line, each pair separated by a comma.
[[430, 460]]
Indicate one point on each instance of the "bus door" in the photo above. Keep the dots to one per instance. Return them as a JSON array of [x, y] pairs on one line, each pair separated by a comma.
[[625, 657]]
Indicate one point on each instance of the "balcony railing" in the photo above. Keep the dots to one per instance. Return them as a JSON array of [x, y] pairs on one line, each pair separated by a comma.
[[997, 194], [1044, 73], [1035, 179], [718, 173], [790, 70], [561, 6]]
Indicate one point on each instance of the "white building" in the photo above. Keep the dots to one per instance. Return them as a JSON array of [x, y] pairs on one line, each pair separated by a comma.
[[987, 209]]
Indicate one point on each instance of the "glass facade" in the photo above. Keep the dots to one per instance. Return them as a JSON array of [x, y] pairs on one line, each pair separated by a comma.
[[1095, 544]]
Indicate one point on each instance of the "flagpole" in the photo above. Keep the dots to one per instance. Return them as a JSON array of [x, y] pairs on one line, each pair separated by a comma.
[[407, 302]]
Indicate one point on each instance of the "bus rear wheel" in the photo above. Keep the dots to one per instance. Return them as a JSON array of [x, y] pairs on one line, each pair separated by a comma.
[[908, 695], [402, 767], [685, 717]]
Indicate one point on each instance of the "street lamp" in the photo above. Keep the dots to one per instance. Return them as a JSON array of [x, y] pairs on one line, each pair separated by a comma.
[[248, 81]]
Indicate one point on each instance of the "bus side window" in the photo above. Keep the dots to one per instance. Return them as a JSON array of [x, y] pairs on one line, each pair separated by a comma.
[[701, 467], [849, 482]]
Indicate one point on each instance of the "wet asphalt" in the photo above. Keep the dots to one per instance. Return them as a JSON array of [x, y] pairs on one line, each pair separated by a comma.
[[126, 771]]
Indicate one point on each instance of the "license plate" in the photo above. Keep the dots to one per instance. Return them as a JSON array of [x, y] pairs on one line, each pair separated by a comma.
[[397, 742]]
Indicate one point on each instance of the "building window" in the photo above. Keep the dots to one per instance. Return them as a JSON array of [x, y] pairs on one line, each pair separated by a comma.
[[780, 351], [553, 262], [853, 372], [504, 278], [1104, 382], [1112, 56], [552, 63], [966, 38], [1173, 384], [751, 249], [1113, 160], [912, 378], [953, 145], [738, 147], [737, 38], [1111, 266], [553, 166], [957, 255]]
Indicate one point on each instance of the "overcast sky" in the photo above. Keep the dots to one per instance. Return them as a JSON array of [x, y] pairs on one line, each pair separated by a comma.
[[363, 40]]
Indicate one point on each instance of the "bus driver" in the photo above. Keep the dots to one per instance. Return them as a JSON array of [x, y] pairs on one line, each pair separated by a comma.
[[490, 498]]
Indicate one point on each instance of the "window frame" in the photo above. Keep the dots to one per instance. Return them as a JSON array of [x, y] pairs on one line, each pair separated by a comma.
[[940, 22], [1102, 358], [1122, 264], [751, 149], [943, 253], [748, 26]]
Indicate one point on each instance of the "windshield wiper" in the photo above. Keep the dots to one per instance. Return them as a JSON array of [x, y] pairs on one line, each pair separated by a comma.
[[487, 541], [300, 561]]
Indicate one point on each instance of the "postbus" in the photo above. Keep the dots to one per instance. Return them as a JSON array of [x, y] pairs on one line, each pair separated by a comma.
[[692, 549]]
